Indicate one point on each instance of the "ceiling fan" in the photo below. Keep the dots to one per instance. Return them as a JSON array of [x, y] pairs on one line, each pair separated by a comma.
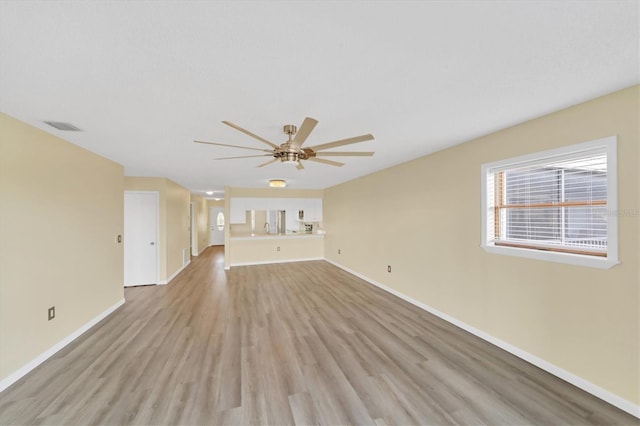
[[291, 151]]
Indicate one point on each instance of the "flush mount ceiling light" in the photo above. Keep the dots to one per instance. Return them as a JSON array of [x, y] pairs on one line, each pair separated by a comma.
[[277, 183], [68, 127], [216, 195]]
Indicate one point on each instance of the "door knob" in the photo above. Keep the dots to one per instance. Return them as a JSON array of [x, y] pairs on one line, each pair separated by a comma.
[[152, 243]]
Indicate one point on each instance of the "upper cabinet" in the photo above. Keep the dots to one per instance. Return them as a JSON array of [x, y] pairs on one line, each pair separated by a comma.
[[238, 208], [298, 209], [312, 210]]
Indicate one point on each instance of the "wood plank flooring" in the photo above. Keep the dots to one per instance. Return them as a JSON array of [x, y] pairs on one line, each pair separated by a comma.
[[301, 343]]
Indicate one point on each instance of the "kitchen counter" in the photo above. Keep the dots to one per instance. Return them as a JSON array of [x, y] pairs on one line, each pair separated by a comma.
[[244, 236], [247, 249]]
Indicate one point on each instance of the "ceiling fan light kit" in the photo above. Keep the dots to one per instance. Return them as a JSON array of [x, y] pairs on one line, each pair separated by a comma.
[[291, 151]]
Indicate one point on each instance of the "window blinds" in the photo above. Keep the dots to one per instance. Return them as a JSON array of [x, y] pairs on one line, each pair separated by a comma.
[[557, 203]]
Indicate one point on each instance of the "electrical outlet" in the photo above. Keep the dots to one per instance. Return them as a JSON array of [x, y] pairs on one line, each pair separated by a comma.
[[389, 268], [338, 251], [51, 313], [278, 248]]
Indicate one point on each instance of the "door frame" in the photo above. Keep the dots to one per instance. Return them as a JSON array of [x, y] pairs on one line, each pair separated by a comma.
[[194, 231], [157, 250], [214, 223]]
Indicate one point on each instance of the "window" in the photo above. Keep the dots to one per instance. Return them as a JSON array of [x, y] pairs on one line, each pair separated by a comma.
[[220, 221], [554, 205]]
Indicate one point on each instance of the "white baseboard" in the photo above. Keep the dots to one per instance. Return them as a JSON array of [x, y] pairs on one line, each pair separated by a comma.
[[565, 375], [268, 262], [175, 274], [17, 375]]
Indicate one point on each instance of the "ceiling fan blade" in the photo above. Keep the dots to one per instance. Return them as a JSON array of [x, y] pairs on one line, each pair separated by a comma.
[[246, 132], [345, 154], [268, 162], [299, 166], [342, 142], [243, 156], [323, 161], [233, 146], [303, 133]]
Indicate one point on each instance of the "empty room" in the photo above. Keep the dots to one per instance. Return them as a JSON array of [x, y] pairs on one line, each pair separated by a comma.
[[319, 212]]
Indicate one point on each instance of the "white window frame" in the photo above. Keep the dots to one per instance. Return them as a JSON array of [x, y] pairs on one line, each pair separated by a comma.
[[610, 144]]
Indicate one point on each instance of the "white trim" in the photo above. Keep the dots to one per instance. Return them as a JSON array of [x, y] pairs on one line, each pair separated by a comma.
[[25, 369], [544, 156], [175, 274], [275, 236], [565, 375], [268, 262], [610, 144], [612, 198], [552, 256]]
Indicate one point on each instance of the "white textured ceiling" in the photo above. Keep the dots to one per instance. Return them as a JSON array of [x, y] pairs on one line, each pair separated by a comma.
[[143, 79]]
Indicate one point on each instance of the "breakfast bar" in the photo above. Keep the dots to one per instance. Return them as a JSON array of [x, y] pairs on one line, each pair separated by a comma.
[[254, 249]]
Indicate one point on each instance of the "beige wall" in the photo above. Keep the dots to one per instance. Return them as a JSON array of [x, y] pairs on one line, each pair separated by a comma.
[[423, 218], [201, 212], [271, 250], [60, 212], [178, 215], [174, 220], [215, 203]]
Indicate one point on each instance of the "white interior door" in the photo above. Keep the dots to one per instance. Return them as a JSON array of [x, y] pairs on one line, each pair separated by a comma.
[[140, 238], [216, 226]]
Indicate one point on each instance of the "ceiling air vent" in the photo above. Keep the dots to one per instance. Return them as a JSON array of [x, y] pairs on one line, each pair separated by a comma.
[[63, 126]]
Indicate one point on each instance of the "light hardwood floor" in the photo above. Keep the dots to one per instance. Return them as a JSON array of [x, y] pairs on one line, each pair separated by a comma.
[[298, 343]]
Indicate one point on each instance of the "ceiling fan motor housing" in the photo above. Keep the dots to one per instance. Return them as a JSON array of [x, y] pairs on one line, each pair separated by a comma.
[[290, 129], [289, 157]]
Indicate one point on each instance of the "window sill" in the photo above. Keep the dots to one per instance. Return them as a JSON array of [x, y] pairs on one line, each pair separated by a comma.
[[550, 256]]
